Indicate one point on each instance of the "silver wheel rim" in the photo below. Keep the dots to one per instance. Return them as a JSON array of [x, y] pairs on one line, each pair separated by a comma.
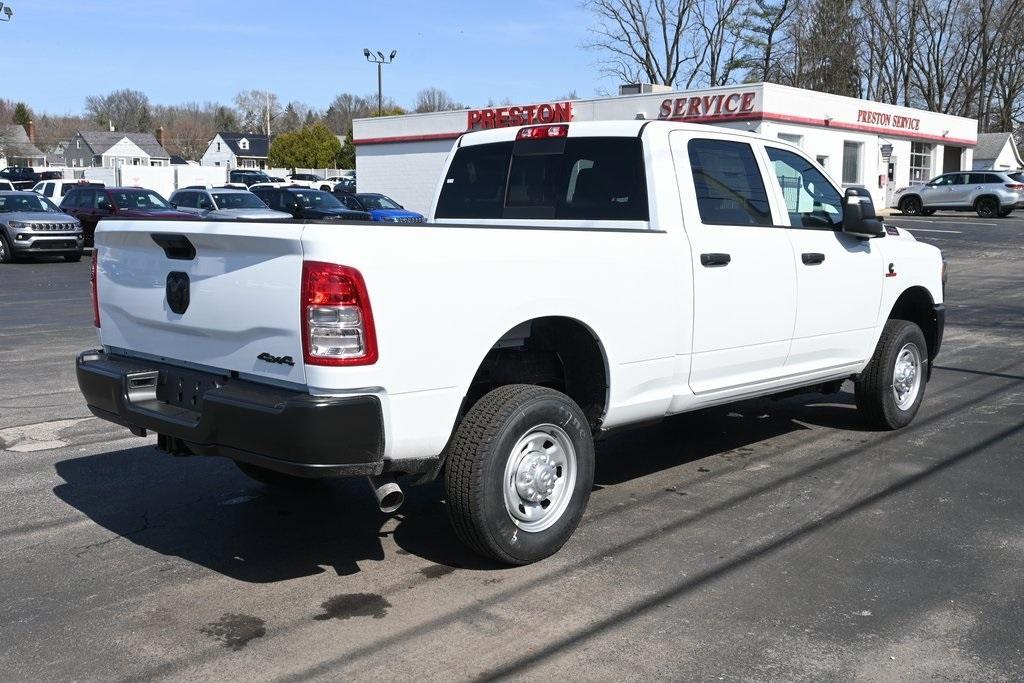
[[540, 476], [906, 376]]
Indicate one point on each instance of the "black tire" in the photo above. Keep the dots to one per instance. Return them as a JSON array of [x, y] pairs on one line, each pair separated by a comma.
[[873, 389], [1003, 213], [73, 258], [987, 207], [273, 477], [6, 255], [325, 188], [910, 206], [475, 471]]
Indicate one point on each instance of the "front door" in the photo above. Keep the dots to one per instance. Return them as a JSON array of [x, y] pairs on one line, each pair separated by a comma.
[[744, 280], [938, 192], [839, 276]]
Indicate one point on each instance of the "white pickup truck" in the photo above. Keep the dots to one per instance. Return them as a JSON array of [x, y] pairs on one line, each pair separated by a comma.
[[570, 280]]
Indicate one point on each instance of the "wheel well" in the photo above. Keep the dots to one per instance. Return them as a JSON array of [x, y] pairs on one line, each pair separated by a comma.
[[987, 196], [556, 352], [916, 305]]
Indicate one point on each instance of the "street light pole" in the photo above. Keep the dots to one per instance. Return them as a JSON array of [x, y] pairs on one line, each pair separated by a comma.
[[380, 60]]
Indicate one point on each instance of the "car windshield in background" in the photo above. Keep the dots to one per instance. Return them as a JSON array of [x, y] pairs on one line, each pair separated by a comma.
[[376, 201], [317, 199], [139, 199], [237, 200], [18, 203]]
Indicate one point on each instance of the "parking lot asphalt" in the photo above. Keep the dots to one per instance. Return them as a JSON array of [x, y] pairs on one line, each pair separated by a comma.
[[764, 540]]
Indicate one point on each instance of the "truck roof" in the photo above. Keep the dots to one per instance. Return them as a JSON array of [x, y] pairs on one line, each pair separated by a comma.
[[624, 128]]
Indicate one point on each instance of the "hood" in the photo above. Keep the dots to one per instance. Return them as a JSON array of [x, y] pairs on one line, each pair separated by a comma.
[[336, 213], [250, 214], [393, 214], [37, 217], [154, 213]]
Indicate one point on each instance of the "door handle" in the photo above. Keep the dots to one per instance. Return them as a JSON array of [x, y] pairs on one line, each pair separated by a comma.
[[812, 258], [712, 260]]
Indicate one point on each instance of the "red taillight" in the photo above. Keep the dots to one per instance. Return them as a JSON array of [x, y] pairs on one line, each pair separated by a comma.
[[1015, 186], [337, 322], [542, 132], [95, 295]]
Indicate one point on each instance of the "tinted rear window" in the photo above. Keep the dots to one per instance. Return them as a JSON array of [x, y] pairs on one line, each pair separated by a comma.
[[728, 183], [591, 178]]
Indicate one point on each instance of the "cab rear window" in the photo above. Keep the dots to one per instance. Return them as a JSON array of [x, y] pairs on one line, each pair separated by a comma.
[[587, 178]]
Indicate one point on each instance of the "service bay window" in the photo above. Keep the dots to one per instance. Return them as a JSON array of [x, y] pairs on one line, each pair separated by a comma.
[[851, 162], [920, 162]]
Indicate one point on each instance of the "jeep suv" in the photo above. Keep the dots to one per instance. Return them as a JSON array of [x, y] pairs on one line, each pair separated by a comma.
[[990, 193]]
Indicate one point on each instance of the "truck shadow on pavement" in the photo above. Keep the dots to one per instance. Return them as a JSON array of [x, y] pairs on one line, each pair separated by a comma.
[[206, 512]]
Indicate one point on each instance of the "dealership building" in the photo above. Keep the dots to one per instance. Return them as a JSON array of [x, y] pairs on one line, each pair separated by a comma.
[[859, 142]]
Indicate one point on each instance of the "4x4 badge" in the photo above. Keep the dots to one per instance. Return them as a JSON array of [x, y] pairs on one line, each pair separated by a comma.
[[271, 358]]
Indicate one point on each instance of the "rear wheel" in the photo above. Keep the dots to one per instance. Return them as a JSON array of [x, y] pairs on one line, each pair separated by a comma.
[[273, 477], [910, 206], [519, 472], [1003, 213], [987, 207], [890, 389]]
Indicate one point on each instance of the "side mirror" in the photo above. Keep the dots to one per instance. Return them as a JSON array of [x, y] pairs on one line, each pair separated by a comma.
[[859, 217]]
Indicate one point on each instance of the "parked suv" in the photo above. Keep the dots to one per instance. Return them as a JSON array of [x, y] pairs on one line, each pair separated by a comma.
[[248, 178], [22, 177], [223, 203], [54, 190], [302, 202], [89, 205], [306, 179], [380, 207], [31, 225], [990, 193]]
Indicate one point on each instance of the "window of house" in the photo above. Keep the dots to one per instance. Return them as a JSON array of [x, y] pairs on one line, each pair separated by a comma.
[[78, 144], [920, 162], [728, 183], [851, 162], [218, 146], [243, 144], [811, 200], [797, 140]]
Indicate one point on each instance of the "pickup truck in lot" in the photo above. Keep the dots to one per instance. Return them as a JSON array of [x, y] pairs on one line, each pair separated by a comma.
[[570, 279]]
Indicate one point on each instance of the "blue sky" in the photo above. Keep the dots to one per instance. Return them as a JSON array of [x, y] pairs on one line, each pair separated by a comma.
[[207, 50]]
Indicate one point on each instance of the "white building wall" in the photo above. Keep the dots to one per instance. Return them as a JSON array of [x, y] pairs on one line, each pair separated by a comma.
[[408, 172], [214, 158]]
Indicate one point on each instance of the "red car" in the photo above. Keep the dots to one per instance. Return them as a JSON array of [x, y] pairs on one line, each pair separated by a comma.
[[90, 204]]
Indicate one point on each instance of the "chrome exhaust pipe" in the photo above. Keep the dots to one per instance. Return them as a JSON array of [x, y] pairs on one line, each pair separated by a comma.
[[389, 493]]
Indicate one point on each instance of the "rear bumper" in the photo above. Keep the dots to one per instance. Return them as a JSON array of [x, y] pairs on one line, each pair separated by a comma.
[[199, 413]]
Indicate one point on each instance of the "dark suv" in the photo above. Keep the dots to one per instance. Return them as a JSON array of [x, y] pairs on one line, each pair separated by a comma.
[[21, 177], [302, 202], [90, 204], [248, 177]]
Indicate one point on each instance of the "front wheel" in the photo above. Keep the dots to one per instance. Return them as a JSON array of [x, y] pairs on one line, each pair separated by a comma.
[[6, 255], [987, 207], [519, 472], [890, 389], [910, 206]]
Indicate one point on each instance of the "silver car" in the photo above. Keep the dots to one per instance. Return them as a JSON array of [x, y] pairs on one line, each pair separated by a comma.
[[224, 203], [31, 225], [991, 193]]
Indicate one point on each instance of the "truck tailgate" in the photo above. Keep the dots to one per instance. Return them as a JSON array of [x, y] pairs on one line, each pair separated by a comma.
[[242, 283]]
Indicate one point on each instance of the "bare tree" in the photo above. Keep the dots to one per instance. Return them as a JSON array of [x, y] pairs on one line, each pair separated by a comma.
[[124, 110], [258, 109], [718, 30], [435, 99], [643, 40]]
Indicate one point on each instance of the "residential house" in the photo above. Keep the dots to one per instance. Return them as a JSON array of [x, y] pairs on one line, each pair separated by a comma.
[[237, 150], [996, 152], [17, 146], [112, 148]]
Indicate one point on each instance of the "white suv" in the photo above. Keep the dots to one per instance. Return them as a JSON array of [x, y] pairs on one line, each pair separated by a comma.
[[991, 194]]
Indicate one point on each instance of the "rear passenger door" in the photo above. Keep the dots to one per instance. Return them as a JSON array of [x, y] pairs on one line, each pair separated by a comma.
[[839, 276], [744, 280]]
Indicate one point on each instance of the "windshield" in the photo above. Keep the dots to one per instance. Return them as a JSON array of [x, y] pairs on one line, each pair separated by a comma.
[[237, 200], [141, 200], [317, 199], [376, 201], [17, 203]]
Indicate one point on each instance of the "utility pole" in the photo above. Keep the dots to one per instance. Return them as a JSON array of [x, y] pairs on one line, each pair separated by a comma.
[[380, 60], [267, 111]]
